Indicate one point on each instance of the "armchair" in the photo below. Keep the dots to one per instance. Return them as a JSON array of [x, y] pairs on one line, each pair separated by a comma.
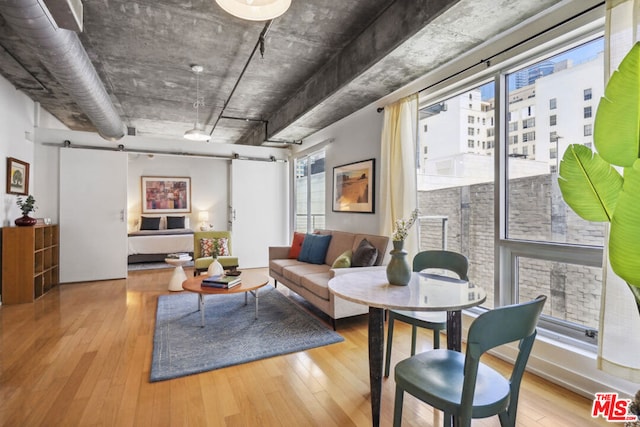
[[201, 263]]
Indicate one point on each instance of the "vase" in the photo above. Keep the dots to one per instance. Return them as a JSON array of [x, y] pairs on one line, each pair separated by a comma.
[[398, 270], [215, 268], [25, 221]]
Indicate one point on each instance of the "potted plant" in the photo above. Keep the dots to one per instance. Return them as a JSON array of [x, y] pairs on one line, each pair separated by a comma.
[[27, 206], [590, 182]]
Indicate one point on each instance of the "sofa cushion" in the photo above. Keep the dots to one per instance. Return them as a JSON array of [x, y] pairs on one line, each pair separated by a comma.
[[296, 273], [296, 245], [278, 264], [343, 261], [340, 242], [314, 248], [380, 242], [365, 255], [317, 284]]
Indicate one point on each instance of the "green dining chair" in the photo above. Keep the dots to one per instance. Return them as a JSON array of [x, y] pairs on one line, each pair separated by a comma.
[[459, 384], [434, 320]]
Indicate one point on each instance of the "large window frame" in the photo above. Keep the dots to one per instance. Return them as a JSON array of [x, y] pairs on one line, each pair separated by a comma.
[[309, 215], [508, 250]]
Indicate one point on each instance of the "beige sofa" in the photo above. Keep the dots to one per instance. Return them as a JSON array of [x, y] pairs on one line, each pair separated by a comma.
[[311, 280]]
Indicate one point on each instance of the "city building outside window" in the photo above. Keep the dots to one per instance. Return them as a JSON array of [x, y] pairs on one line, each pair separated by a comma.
[[309, 192], [553, 120], [553, 103], [588, 129], [587, 112]]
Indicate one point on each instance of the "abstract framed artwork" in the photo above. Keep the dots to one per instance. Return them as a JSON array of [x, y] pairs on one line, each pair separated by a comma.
[[17, 177], [162, 194], [354, 187]]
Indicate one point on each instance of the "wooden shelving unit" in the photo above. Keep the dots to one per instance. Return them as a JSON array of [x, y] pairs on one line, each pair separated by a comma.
[[30, 258]]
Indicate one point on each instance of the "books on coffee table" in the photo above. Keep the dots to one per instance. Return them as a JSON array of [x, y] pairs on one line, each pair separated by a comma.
[[223, 282], [179, 255]]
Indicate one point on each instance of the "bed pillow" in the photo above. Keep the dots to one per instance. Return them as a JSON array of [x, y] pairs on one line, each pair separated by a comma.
[[175, 222], [365, 255], [150, 223], [314, 248], [343, 261], [214, 247], [296, 245]]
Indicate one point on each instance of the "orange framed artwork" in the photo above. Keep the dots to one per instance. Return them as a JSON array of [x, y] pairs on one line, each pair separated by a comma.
[[166, 194], [354, 187], [17, 177]]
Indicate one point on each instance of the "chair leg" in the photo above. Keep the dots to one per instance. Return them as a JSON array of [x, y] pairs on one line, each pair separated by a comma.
[[397, 407], [275, 283], [436, 338], [414, 332], [333, 322], [387, 357]]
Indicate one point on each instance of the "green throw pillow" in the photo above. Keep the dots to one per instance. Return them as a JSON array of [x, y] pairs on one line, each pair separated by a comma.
[[343, 261]]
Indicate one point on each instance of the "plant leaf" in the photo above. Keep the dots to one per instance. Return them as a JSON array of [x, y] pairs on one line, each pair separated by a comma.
[[624, 239], [616, 132], [589, 184]]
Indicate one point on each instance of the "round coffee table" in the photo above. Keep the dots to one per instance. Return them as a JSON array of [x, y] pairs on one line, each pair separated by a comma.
[[179, 276], [251, 281]]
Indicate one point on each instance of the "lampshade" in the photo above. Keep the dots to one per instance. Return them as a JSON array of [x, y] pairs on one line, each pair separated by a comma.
[[203, 216], [197, 134], [255, 10]]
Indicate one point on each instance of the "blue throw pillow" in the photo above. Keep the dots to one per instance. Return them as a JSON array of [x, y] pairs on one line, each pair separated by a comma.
[[314, 248]]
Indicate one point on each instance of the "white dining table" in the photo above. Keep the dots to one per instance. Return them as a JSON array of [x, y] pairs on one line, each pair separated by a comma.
[[425, 292]]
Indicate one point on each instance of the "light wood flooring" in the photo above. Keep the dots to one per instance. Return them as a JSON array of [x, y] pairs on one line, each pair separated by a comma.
[[80, 356]]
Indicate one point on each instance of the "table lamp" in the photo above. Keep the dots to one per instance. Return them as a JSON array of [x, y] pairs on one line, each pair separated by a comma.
[[203, 217]]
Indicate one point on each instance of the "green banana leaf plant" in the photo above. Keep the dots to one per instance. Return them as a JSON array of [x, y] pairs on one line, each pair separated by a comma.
[[593, 187]]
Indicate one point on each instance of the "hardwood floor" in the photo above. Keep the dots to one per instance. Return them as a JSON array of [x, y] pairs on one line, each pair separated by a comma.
[[81, 354]]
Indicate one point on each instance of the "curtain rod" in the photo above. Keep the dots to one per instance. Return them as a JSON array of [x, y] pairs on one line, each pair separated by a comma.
[[121, 147], [503, 51]]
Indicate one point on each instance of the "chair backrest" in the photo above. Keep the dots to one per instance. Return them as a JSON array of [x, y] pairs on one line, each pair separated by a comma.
[[447, 260], [494, 328], [209, 235]]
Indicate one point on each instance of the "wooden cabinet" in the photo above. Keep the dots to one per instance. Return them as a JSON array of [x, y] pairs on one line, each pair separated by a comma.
[[30, 258]]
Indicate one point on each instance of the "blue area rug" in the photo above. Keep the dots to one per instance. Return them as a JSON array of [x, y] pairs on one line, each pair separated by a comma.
[[231, 335]]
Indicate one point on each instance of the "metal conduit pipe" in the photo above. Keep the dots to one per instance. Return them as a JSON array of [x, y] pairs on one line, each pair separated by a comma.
[[64, 56]]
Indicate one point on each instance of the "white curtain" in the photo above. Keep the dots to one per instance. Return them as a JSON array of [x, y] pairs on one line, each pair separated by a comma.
[[398, 190], [619, 339]]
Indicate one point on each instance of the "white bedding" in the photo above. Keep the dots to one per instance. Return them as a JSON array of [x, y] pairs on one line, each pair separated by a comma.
[[160, 244]]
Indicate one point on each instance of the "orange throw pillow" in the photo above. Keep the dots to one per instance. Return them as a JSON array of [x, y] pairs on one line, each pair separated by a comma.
[[296, 245]]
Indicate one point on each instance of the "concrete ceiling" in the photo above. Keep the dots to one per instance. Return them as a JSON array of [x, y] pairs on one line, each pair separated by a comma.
[[323, 60]]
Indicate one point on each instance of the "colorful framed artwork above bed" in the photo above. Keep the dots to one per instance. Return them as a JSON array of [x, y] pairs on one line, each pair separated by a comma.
[[161, 194]]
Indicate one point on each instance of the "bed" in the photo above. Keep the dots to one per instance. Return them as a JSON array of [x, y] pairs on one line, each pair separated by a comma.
[[153, 245]]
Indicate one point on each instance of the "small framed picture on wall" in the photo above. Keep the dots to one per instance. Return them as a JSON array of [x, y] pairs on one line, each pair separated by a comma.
[[17, 177]]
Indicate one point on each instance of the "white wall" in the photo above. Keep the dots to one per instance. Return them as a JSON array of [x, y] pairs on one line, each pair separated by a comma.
[[355, 138], [17, 121], [209, 184]]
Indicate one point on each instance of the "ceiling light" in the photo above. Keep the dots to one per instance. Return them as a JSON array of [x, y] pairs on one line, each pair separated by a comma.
[[197, 133], [255, 10]]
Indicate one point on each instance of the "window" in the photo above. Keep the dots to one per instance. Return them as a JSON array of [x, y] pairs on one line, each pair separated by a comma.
[[470, 143], [528, 136], [425, 128], [588, 145], [545, 244], [587, 94], [587, 112], [309, 192], [471, 120], [471, 131], [588, 130]]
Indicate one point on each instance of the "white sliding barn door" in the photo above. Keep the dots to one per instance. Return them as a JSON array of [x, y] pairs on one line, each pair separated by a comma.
[[259, 210], [93, 223]]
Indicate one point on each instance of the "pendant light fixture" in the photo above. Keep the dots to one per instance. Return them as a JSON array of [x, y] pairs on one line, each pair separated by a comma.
[[197, 133], [255, 10]]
